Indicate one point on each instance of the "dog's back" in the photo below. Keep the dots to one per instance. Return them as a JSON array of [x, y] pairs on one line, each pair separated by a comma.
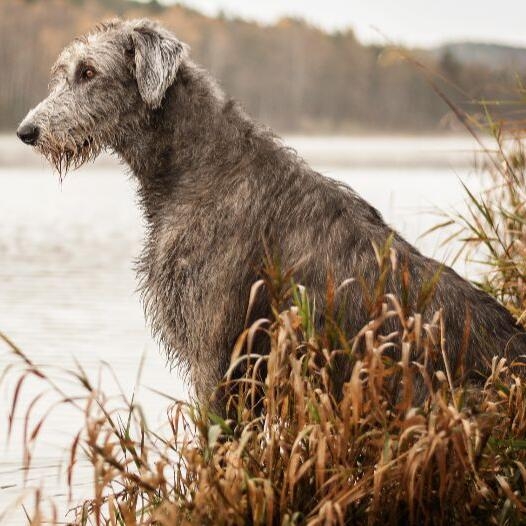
[[325, 230]]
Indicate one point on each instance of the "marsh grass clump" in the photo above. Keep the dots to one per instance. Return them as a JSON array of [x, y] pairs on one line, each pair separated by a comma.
[[492, 231], [313, 452]]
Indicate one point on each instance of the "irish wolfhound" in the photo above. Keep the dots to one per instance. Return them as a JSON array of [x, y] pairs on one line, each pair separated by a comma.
[[215, 189]]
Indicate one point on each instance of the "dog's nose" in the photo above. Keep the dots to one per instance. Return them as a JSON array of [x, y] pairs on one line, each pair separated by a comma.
[[28, 133]]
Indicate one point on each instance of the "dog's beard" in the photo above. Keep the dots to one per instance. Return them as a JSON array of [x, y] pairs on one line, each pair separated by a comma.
[[69, 153]]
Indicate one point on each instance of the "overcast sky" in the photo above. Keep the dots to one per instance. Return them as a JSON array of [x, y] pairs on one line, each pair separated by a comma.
[[413, 22]]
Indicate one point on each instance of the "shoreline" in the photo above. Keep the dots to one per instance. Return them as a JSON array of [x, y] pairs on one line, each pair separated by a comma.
[[328, 151]]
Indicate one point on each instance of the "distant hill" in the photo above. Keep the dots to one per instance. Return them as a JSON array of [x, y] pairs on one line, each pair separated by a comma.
[[290, 75], [492, 56]]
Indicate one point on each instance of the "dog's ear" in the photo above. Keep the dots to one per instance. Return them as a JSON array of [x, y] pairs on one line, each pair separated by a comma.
[[157, 56]]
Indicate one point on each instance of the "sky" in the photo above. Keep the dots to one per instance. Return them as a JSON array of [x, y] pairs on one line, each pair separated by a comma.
[[412, 22]]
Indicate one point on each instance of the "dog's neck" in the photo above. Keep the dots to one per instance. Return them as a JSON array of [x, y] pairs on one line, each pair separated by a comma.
[[188, 142]]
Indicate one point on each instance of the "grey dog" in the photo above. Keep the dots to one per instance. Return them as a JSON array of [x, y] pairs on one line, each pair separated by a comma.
[[218, 191]]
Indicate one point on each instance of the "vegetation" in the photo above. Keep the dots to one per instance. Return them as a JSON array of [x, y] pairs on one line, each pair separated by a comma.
[[291, 76], [494, 229], [309, 456]]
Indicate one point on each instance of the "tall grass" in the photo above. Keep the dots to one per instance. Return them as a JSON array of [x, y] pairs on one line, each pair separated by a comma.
[[493, 230], [309, 456]]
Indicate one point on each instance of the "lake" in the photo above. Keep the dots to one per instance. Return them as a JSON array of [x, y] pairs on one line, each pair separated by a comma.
[[67, 285]]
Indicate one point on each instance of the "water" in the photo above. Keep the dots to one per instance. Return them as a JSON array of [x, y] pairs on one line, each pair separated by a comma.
[[67, 285]]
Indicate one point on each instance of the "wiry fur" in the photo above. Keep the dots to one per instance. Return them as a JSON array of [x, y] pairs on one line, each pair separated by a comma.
[[215, 188]]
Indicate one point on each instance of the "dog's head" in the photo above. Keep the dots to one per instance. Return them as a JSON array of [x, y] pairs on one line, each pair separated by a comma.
[[99, 83]]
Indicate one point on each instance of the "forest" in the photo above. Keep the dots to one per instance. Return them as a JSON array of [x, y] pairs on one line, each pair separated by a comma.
[[290, 75]]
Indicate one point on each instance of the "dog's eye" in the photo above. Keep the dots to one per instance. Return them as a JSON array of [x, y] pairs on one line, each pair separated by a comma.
[[88, 73]]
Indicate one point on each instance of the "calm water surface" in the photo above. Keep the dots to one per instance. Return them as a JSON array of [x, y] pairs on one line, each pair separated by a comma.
[[67, 285]]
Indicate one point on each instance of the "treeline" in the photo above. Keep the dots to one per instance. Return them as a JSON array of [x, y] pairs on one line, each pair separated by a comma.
[[290, 75]]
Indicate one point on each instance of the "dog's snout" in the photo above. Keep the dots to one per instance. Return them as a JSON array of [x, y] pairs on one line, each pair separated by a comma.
[[28, 133]]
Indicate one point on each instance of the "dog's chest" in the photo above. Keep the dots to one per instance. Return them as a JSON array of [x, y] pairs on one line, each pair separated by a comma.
[[186, 254]]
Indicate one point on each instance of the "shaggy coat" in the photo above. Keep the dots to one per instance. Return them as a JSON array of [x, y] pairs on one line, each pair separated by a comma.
[[217, 189]]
